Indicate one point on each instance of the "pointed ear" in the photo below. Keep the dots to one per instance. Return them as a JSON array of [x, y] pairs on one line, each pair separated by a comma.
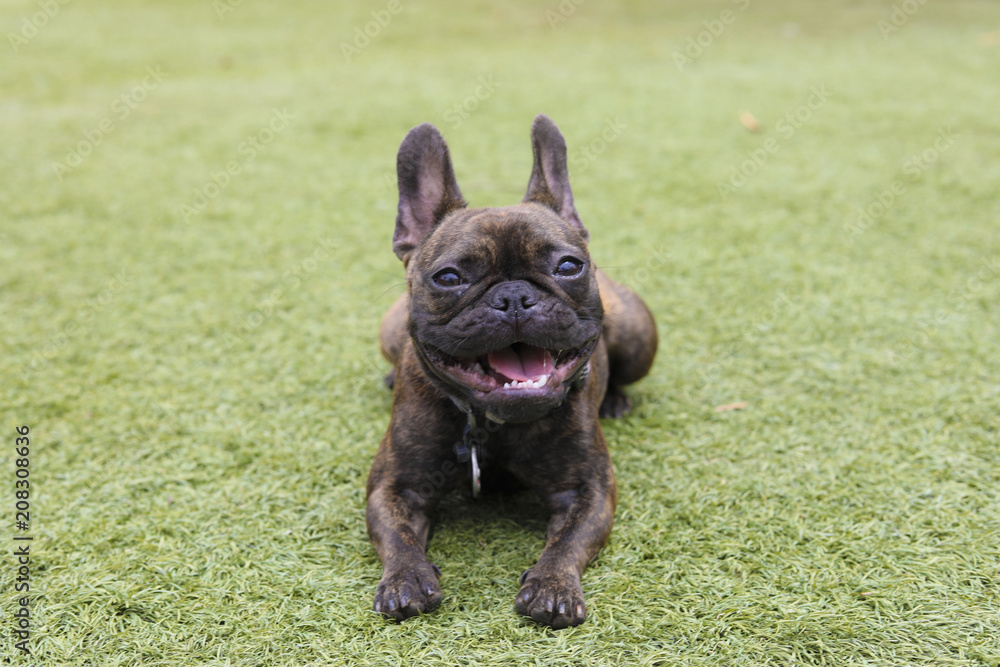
[[549, 184], [427, 188]]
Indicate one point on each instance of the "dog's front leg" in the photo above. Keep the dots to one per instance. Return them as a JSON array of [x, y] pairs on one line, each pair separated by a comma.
[[580, 525], [398, 517]]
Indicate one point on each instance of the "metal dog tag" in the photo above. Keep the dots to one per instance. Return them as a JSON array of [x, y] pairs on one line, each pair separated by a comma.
[[476, 482]]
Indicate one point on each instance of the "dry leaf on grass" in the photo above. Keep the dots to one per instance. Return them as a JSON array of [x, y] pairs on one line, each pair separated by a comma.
[[749, 121]]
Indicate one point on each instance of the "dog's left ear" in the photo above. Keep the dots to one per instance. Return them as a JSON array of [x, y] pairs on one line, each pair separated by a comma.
[[428, 190], [549, 184]]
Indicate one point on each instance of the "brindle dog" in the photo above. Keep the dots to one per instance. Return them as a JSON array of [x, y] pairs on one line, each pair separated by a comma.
[[506, 323]]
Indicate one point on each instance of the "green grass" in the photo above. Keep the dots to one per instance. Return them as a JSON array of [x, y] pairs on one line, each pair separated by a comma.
[[202, 425]]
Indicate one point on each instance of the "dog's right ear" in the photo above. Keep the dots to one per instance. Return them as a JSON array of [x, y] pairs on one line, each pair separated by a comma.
[[549, 184], [428, 190]]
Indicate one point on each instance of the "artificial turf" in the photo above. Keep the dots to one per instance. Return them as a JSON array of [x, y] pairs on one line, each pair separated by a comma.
[[198, 365]]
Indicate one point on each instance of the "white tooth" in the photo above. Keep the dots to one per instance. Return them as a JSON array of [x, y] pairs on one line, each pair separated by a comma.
[[478, 369], [543, 380], [506, 385]]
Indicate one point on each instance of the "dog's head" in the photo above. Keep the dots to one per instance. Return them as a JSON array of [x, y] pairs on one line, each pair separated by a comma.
[[504, 305]]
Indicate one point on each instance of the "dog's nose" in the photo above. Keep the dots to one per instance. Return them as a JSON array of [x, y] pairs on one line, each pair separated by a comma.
[[518, 294]]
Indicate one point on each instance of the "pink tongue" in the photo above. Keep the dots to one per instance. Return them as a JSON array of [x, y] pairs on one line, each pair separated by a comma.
[[521, 362]]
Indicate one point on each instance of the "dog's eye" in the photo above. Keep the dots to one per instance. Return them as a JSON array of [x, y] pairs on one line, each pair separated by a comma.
[[447, 278], [569, 266]]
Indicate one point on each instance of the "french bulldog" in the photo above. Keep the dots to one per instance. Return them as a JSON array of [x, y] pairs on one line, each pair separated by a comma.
[[507, 347]]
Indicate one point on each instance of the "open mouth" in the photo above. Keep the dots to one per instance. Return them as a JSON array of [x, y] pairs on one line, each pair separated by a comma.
[[519, 367]]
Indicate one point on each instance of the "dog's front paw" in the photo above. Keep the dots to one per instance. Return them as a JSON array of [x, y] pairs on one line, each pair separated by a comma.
[[407, 593], [615, 404], [552, 599]]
